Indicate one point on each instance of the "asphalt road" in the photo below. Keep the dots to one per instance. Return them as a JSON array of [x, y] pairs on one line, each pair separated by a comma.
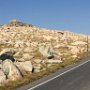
[[76, 77]]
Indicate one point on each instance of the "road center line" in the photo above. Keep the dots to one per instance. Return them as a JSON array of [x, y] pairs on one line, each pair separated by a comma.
[[58, 76]]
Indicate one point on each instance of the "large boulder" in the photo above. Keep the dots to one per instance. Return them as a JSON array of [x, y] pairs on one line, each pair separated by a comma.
[[24, 66], [37, 68], [11, 71], [7, 54], [47, 51], [2, 78]]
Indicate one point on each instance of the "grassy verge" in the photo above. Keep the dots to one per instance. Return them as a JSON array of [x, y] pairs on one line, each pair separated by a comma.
[[28, 78]]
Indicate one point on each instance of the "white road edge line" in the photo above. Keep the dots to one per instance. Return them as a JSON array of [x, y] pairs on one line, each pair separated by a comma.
[[58, 76]]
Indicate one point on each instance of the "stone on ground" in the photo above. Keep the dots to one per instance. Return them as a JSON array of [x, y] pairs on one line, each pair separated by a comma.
[[11, 71], [2, 78], [7, 54], [47, 51], [24, 66]]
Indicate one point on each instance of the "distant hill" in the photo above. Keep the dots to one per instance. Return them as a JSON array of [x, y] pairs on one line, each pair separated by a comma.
[[17, 23]]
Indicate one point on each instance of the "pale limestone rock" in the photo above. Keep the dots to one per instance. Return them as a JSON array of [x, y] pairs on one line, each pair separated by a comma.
[[2, 78], [8, 51], [74, 56], [37, 68], [60, 46], [37, 61], [24, 66], [54, 61], [46, 51], [20, 60], [27, 39], [7, 54], [28, 44], [75, 50], [79, 43], [48, 38], [19, 44], [11, 71], [27, 50]]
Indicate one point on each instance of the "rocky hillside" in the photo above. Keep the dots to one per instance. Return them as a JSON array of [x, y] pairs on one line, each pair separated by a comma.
[[27, 48]]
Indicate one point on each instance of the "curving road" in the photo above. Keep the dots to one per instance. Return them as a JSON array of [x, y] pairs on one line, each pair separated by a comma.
[[76, 77]]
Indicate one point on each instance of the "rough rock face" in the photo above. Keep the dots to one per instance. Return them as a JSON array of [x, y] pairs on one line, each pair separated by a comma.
[[47, 51], [7, 54], [11, 71], [37, 68], [75, 50], [79, 43], [2, 78], [53, 61], [24, 66]]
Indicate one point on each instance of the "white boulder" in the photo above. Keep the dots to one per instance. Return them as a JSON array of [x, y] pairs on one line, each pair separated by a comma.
[[51, 61], [11, 71], [2, 78], [24, 66], [47, 51]]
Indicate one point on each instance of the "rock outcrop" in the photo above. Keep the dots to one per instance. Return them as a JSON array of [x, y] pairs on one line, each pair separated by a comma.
[[47, 51], [7, 54], [11, 71], [18, 23], [2, 78], [27, 48], [24, 66]]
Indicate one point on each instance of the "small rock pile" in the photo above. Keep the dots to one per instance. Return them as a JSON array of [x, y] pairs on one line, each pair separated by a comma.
[[10, 69], [14, 69]]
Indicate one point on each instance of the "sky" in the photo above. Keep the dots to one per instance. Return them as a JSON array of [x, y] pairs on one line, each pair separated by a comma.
[[71, 15]]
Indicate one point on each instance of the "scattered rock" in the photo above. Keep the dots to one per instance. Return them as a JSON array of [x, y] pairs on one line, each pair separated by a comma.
[[27, 56], [38, 61], [7, 54], [20, 60], [47, 51], [53, 61], [79, 43], [19, 44], [11, 71], [74, 50], [24, 66], [37, 68], [2, 78]]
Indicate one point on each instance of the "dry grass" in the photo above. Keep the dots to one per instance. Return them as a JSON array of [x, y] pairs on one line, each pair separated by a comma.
[[37, 55], [28, 78]]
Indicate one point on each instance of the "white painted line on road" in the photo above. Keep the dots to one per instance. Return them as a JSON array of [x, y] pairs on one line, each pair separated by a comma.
[[58, 75]]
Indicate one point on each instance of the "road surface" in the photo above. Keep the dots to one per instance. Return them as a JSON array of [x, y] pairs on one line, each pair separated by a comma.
[[76, 77]]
